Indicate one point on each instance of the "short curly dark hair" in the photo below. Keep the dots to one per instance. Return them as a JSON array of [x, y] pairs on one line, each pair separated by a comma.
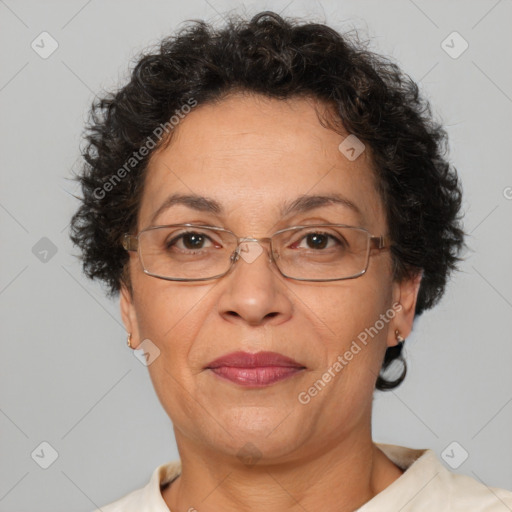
[[279, 58]]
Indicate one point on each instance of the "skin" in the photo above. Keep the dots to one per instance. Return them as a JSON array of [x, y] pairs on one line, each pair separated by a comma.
[[250, 154]]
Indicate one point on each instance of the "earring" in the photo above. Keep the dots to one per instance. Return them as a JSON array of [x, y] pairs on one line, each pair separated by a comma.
[[129, 340], [399, 337]]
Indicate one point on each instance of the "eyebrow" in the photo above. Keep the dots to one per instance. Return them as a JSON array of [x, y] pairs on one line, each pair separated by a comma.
[[299, 205]]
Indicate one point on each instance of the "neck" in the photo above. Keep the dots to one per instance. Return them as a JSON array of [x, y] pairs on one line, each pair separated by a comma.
[[340, 479]]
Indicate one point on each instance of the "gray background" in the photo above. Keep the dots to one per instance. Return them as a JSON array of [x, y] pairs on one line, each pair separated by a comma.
[[68, 378]]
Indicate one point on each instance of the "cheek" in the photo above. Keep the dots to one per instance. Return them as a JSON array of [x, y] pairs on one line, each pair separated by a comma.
[[351, 307], [170, 316], [166, 311], [356, 335]]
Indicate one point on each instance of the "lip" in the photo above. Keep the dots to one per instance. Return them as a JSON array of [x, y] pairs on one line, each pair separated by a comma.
[[254, 370]]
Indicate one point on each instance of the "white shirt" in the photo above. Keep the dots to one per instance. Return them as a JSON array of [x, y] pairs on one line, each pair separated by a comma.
[[425, 486]]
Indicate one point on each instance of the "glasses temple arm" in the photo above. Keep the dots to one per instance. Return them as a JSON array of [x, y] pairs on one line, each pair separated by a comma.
[[130, 242], [381, 242]]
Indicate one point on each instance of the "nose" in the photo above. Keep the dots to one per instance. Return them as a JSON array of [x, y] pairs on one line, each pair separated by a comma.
[[254, 292]]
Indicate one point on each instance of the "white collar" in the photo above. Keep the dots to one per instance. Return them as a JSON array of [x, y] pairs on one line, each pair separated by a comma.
[[425, 485]]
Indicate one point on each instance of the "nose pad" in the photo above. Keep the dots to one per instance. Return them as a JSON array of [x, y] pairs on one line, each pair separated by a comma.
[[250, 254], [250, 251]]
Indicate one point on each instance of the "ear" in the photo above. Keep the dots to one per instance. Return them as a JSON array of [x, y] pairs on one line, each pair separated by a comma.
[[129, 316], [405, 295]]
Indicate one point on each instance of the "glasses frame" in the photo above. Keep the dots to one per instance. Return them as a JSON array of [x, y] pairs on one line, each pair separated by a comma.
[[130, 243]]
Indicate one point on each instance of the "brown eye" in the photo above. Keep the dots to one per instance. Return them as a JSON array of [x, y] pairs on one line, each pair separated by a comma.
[[319, 241], [189, 241]]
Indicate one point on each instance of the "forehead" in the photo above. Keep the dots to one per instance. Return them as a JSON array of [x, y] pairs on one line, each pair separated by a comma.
[[253, 154]]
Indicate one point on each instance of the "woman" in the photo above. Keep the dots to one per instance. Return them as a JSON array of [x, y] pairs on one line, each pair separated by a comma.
[[273, 206]]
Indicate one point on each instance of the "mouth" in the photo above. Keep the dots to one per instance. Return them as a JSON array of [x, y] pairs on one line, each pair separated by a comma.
[[254, 370]]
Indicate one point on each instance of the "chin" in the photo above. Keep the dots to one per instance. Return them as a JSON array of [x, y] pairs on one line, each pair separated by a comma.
[[274, 435]]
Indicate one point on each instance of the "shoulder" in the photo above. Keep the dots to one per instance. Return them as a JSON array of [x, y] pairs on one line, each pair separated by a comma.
[[468, 493], [427, 484], [147, 498]]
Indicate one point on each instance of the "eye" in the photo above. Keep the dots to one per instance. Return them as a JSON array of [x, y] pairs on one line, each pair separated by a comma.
[[191, 241], [319, 241]]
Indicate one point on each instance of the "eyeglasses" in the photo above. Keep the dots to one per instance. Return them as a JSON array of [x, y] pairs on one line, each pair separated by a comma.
[[316, 252]]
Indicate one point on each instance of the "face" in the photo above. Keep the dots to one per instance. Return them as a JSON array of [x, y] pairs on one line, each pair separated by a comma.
[[252, 155]]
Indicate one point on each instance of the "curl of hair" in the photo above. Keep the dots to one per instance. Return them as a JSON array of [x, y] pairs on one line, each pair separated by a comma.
[[279, 58]]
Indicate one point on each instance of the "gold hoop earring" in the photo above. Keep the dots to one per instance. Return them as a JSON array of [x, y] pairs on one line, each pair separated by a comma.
[[399, 337], [129, 340]]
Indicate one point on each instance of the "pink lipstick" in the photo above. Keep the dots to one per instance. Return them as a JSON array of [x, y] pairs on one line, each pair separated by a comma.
[[254, 370]]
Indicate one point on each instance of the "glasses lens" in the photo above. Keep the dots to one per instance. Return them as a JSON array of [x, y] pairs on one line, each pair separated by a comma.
[[317, 252], [186, 252], [322, 252]]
